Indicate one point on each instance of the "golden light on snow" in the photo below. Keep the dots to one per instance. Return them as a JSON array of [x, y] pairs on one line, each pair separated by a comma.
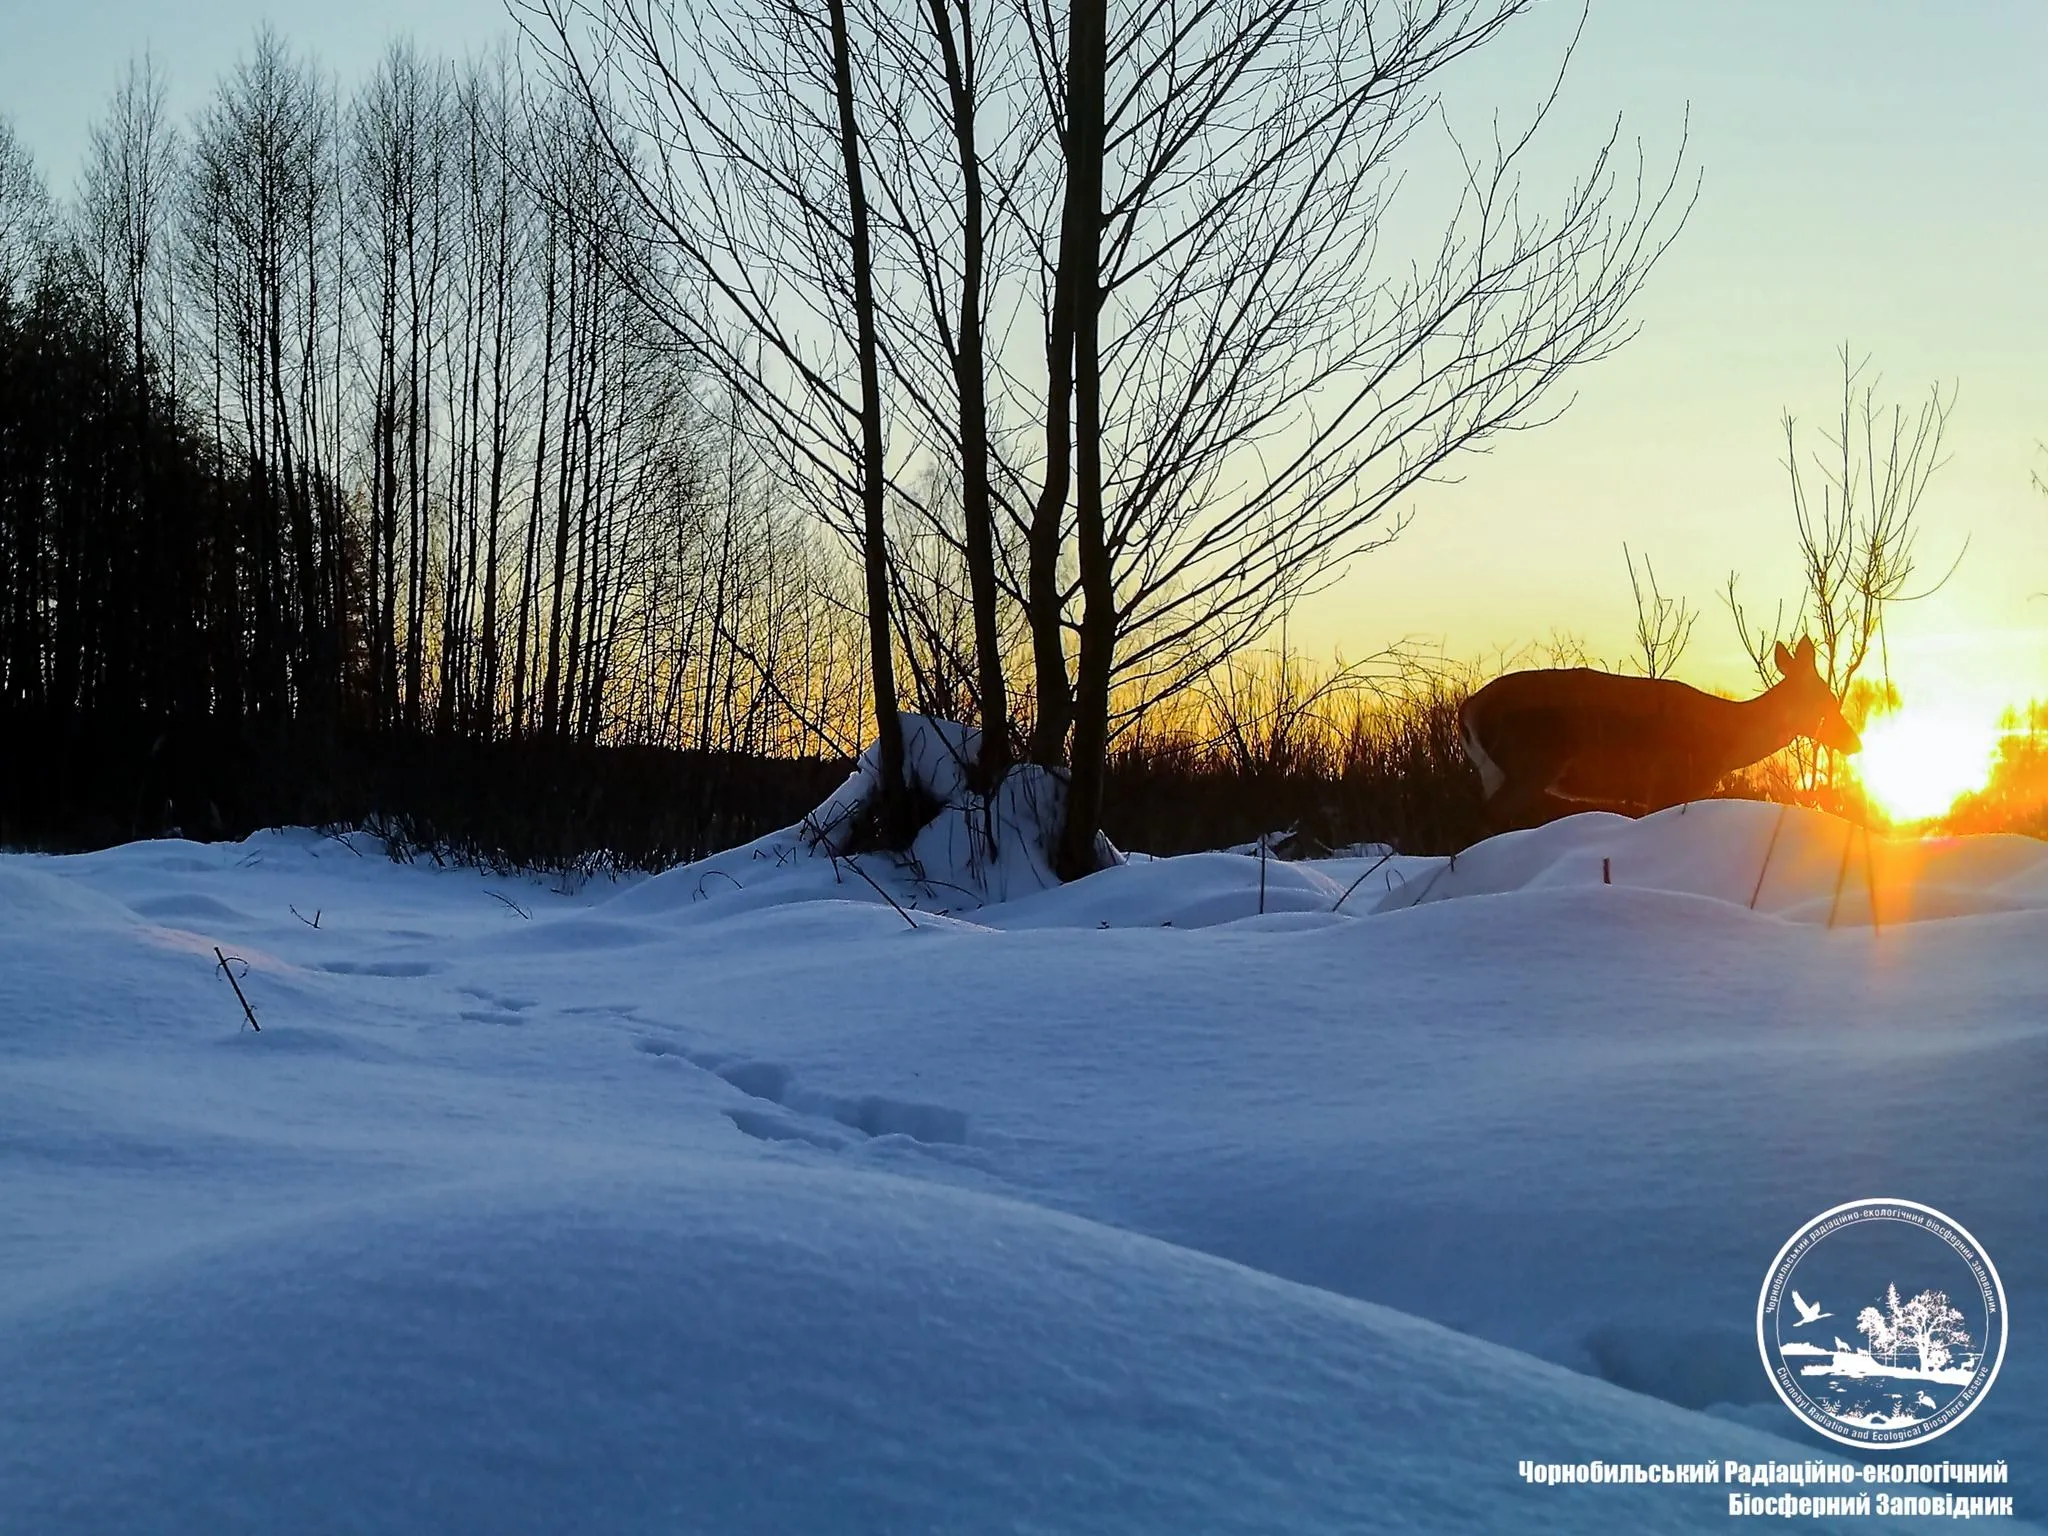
[[1916, 763]]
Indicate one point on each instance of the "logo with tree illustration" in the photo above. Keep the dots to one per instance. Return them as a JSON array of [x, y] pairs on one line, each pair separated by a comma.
[[1926, 1351]]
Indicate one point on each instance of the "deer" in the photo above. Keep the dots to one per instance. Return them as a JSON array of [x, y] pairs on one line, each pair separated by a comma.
[[1548, 743]]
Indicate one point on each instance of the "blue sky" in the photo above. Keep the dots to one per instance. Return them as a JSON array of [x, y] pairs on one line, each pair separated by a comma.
[[1876, 172]]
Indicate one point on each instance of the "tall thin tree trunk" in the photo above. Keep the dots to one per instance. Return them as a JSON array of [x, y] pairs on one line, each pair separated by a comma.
[[971, 385], [529, 572], [893, 820], [1080, 271]]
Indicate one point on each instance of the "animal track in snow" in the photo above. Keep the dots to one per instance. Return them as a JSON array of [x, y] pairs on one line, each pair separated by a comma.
[[497, 1000], [871, 1115], [653, 1045], [767, 1127], [758, 1079], [875, 1115], [497, 1010]]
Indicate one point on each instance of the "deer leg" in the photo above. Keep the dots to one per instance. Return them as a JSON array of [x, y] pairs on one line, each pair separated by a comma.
[[1525, 801]]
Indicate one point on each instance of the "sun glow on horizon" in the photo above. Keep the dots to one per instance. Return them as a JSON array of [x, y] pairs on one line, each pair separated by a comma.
[[1916, 764]]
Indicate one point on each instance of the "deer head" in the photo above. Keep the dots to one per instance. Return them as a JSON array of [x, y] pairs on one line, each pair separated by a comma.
[[1810, 705]]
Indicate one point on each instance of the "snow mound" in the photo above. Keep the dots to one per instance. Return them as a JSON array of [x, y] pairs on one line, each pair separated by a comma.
[[29, 896], [1784, 860], [768, 1346], [985, 859], [1193, 890], [541, 1206]]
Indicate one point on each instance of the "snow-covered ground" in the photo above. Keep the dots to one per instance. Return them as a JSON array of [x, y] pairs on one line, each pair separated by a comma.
[[729, 1200]]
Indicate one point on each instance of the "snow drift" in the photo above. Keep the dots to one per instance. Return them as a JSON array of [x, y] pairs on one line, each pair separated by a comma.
[[985, 859], [1798, 864], [1205, 1193], [751, 1346]]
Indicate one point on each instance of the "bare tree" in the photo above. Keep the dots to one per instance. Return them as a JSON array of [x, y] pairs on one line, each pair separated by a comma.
[[1857, 527], [1249, 394], [259, 230], [738, 131], [130, 175], [496, 253], [386, 166], [933, 138], [1663, 624], [1231, 397], [27, 224], [26, 214], [125, 214], [874, 488]]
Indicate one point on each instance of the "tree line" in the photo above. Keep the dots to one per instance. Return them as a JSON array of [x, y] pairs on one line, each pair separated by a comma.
[[340, 410], [730, 377]]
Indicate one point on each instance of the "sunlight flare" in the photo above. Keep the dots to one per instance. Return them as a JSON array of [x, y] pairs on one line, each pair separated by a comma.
[[1915, 763]]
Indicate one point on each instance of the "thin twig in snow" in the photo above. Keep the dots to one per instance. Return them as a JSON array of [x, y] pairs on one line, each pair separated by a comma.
[[1354, 885], [878, 890], [240, 997], [1769, 848]]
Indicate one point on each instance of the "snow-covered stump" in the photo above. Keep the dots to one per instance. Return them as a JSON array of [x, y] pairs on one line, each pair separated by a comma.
[[971, 849]]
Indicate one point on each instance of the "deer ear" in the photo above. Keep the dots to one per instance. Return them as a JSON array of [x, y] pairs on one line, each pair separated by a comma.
[[1805, 656], [1784, 659]]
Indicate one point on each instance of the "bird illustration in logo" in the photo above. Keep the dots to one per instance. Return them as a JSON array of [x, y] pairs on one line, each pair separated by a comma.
[[1809, 1311], [1923, 1400]]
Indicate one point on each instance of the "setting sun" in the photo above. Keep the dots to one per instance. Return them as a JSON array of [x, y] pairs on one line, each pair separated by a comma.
[[1916, 764]]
